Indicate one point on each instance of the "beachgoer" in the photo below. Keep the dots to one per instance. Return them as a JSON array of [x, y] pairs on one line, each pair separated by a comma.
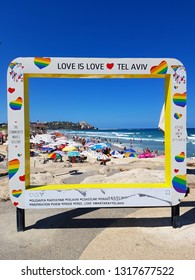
[[1, 137], [147, 151]]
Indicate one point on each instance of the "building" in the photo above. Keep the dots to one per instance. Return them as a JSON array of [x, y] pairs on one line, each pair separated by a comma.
[[38, 128], [85, 125]]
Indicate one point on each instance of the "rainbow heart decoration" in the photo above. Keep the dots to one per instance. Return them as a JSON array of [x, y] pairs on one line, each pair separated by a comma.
[[180, 99], [42, 62], [177, 116], [110, 65], [175, 67], [159, 69], [13, 166], [179, 183], [180, 157], [11, 90], [12, 65], [17, 193], [16, 104]]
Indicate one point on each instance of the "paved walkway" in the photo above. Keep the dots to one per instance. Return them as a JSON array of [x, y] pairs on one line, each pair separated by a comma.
[[111, 234]]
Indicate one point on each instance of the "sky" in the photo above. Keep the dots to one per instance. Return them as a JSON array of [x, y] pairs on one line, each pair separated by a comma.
[[104, 29]]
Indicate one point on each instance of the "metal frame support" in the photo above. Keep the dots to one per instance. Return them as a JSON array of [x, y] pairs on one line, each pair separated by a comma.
[[20, 219], [175, 217]]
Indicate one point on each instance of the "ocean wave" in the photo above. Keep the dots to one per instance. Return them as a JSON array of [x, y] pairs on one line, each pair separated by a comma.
[[118, 136], [191, 138]]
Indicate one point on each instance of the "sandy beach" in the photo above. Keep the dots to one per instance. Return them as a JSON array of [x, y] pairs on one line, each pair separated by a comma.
[[140, 223], [90, 171], [120, 170]]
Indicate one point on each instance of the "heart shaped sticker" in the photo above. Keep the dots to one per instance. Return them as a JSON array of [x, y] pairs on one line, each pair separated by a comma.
[[42, 62], [11, 90], [177, 116], [17, 193], [22, 178], [110, 65], [180, 157], [159, 69], [16, 104], [179, 99], [179, 183], [13, 166]]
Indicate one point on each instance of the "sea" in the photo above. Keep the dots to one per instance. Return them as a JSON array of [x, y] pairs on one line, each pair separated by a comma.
[[138, 139]]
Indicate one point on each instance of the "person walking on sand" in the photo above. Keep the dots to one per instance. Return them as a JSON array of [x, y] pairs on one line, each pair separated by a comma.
[[131, 143], [1, 137]]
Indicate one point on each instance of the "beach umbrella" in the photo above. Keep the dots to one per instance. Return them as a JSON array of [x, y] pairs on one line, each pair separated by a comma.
[[33, 141], [46, 149], [99, 146], [102, 156], [61, 138], [51, 145], [161, 124], [92, 154], [132, 155], [54, 156], [75, 144], [61, 142], [89, 144], [69, 148], [73, 154], [116, 154], [61, 146], [58, 152], [129, 151]]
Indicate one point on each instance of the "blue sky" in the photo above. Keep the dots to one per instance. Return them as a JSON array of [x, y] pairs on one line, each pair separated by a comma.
[[103, 28]]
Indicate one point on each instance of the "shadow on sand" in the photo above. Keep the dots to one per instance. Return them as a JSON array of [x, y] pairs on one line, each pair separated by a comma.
[[72, 219]]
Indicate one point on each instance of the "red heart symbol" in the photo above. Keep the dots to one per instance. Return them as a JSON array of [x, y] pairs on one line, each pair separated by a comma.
[[11, 90], [176, 170], [22, 178], [110, 65], [15, 203]]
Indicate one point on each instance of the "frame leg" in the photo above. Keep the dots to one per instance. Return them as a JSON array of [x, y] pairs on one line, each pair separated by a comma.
[[175, 217], [20, 219]]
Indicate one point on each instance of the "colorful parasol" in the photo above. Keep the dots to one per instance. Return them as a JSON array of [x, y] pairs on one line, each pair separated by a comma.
[[73, 154], [69, 148], [54, 156]]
